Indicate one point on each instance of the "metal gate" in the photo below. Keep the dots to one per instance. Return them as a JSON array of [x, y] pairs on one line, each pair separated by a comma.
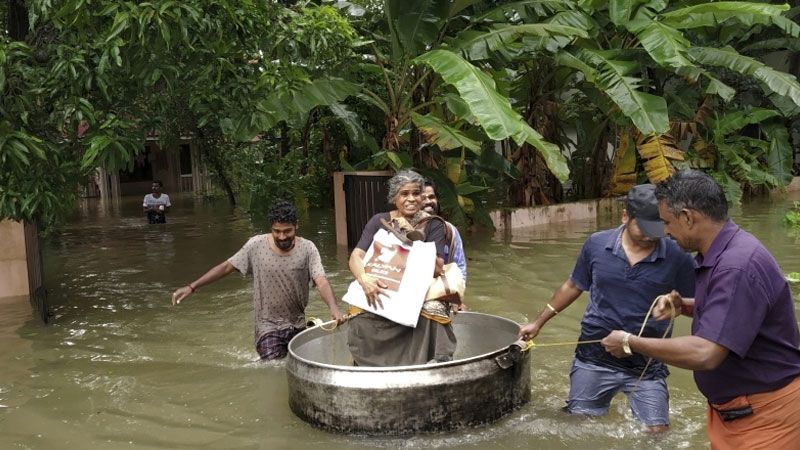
[[38, 294], [359, 196]]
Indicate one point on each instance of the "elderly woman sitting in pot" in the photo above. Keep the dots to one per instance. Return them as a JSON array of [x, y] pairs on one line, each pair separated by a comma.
[[374, 340]]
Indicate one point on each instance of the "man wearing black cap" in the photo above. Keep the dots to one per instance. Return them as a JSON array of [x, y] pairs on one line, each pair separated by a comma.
[[624, 269]]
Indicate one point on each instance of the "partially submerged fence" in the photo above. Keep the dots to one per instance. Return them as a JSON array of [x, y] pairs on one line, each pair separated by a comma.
[[33, 251]]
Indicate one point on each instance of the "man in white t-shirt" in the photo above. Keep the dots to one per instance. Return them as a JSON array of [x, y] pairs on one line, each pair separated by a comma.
[[156, 204]]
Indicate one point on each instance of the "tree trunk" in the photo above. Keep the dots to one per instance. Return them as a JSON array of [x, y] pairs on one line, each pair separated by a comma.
[[537, 185], [326, 148], [214, 159], [284, 139], [17, 20], [600, 173], [223, 179]]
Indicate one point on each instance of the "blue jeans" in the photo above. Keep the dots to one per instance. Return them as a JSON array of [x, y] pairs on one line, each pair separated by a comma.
[[592, 387]]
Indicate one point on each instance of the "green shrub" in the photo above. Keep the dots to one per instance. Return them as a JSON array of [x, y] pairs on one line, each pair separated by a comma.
[[792, 217]]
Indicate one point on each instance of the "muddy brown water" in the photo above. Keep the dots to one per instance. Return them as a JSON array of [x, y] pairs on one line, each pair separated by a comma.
[[119, 367]]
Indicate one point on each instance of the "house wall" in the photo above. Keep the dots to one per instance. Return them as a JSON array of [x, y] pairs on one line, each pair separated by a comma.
[[166, 167], [13, 264]]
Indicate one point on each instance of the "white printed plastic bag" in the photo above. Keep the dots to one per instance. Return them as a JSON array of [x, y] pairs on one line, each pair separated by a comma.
[[407, 272]]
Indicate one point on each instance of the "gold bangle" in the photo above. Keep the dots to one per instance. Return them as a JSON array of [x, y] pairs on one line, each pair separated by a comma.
[[550, 307], [626, 344]]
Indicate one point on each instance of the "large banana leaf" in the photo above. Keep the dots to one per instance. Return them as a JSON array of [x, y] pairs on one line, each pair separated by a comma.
[[567, 59], [285, 105], [779, 156], [665, 44], [776, 81], [648, 112], [569, 18], [501, 13], [457, 6], [717, 87], [621, 11], [732, 187], [493, 111], [352, 125], [446, 137], [735, 121], [459, 108], [712, 14], [479, 45], [414, 24], [623, 175], [454, 167], [783, 43], [785, 105], [659, 154]]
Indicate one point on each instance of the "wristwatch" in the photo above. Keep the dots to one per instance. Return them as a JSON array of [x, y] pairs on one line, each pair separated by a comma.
[[626, 345]]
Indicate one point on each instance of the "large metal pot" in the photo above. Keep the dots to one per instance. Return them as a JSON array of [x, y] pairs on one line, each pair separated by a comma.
[[489, 378]]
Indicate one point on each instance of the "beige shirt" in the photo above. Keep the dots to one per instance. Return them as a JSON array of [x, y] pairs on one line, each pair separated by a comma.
[[280, 282]]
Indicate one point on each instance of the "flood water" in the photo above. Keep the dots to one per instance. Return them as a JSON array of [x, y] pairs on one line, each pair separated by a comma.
[[119, 367]]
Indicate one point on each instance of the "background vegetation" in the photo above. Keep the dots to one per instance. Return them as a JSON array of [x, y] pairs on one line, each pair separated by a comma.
[[502, 103]]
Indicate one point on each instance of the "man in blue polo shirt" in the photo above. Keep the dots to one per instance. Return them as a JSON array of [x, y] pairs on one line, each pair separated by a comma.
[[745, 338], [624, 269]]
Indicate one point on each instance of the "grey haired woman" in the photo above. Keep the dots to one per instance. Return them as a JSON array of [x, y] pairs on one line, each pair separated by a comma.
[[376, 341]]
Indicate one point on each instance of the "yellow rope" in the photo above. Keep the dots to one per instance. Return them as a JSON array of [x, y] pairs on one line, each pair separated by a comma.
[[334, 322], [531, 344], [666, 333]]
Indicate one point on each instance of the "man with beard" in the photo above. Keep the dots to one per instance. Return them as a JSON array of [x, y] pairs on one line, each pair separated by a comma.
[[454, 250], [282, 265], [624, 269]]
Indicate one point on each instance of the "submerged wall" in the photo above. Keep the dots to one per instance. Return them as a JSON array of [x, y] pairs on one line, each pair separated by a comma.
[[13, 263], [794, 186], [511, 219]]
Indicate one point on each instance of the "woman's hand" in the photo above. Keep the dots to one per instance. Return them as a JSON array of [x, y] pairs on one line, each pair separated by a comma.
[[372, 288]]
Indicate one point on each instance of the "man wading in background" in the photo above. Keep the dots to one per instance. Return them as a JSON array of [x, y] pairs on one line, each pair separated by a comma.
[[156, 204]]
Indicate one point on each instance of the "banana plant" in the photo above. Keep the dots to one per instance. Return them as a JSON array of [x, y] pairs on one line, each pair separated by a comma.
[[425, 75], [637, 47]]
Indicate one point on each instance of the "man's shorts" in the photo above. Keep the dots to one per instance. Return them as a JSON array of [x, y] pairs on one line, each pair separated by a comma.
[[275, 345], [592, 387]]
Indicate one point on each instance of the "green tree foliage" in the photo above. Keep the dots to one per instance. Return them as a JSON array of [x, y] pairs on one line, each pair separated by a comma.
[[667, 70], [84, 82], [474, 94]]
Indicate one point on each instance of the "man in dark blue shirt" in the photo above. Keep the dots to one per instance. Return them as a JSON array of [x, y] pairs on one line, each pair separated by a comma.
[[624, 269]]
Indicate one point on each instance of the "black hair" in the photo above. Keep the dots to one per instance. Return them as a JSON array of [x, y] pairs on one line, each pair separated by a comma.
[[693, 189], [429, 182], [282, 212], [160, 184]]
